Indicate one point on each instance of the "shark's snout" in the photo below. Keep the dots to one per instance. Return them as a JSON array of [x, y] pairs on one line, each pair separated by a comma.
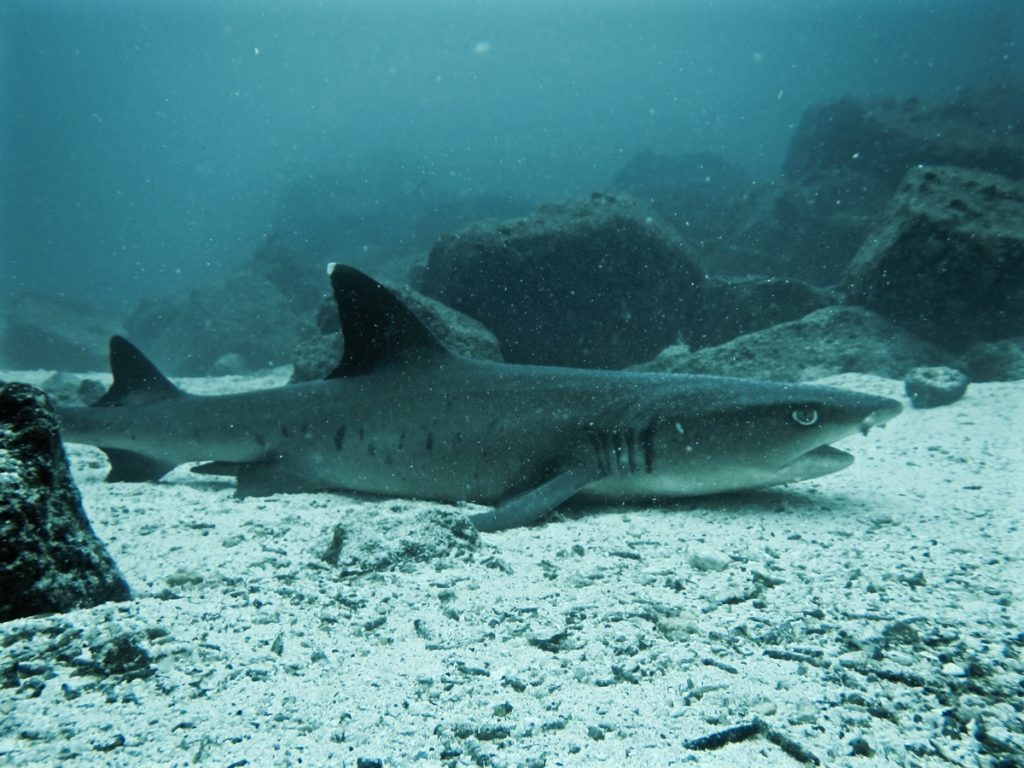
[[886, 410]]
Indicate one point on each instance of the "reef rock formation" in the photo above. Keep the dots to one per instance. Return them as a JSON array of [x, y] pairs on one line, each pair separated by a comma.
[[885, 138], [593, 284], [253, 318], [50, 559], [947, 262], [56, 332], [731, 307], [695, 193], [826, 342], [844, 162]]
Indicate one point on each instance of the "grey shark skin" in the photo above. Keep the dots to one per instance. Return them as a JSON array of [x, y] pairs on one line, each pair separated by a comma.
[[403, 416]]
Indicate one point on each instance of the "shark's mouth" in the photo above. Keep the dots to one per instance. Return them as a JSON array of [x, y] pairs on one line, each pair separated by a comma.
[[823, 460]]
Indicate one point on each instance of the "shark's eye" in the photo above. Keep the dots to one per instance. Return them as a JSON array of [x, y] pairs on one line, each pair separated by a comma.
[[805, 416]]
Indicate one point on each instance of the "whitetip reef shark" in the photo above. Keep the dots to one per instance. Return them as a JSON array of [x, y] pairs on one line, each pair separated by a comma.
[[401, 415]]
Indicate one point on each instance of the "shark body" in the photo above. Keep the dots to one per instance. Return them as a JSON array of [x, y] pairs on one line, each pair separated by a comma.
[[403, 416]]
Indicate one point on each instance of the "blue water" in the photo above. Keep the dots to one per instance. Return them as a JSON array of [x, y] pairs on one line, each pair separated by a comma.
[[149, 146]]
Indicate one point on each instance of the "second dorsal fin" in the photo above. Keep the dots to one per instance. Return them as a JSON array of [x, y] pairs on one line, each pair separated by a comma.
[[378, 327], [136, 380]]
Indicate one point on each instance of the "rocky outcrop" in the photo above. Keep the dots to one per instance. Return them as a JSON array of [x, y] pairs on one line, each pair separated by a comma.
[[595, 284], [731, 307], [806, 229], [843, 164], [251, 319], [996, 360], [317, 356], [883, 139], [50, 559], [695, 193], [947, 261], [56, 332], [826, 342]]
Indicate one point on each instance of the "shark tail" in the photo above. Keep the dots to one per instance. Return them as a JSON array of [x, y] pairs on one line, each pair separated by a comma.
[[136, 382]]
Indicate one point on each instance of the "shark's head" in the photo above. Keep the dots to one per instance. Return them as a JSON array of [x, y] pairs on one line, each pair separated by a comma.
[[741, 434]]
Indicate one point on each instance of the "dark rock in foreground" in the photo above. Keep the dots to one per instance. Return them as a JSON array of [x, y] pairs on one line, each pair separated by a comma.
[[827, 342], [593, 284], [947, 262], [50, 559], [316, 357]]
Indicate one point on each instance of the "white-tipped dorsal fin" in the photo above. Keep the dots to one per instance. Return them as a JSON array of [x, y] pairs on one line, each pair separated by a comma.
[[378, 327]]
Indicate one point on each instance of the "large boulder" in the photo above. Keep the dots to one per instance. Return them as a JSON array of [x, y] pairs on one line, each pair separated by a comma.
[[695, 193], [593, 283], [731, 307], [885, 138], [826, 342], [251, 319], [50, 559], [805, 229], [947, 261], [317, 356], [843, 164]]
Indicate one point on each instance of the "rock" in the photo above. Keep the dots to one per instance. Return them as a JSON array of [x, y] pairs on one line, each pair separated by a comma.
[[843, 164], [704, 558], [932, 387], [733, 307], [50, 559], [695, 193], [593, 283], [365, 544], [885, 138], [316, 357], [807, 228], [947, 260], [69, 389], [253, 318], [56, 332], [996, 360], [826, 342]]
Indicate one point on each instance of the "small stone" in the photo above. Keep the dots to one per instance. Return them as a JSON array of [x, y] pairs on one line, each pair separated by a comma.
[[953, 670], [860, 746], [596, 733], [703, 558], [932, 387], [765, 708]]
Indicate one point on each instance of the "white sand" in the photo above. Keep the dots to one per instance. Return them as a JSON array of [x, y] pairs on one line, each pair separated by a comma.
[[876, 610]]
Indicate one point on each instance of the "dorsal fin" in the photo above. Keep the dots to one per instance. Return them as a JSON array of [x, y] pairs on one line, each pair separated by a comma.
[[378, 326], [136, 379]]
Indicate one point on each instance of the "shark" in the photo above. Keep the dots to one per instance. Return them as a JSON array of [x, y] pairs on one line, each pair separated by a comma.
[[403, 416]]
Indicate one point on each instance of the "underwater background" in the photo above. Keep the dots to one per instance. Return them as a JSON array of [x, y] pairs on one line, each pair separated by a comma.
[[152, 147]]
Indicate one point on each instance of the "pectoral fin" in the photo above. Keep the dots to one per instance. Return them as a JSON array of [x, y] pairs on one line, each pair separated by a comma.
[[131, 467], [258, 478], [537, 503]]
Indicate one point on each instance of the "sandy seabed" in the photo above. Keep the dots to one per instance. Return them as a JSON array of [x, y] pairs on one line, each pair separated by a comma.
[[869, 618]]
